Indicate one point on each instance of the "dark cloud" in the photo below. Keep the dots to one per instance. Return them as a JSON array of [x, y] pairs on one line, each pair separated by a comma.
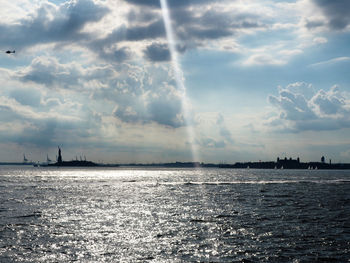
[[142, 16], [51, 24], [212, 24], [107, 48], [80, 13], [337, 12], [114, 54], [153, 30], [229, 19], [313, 24], [157, 52], [192, 26], [172, 3], [135, 32], [63, 25], [205, 33]]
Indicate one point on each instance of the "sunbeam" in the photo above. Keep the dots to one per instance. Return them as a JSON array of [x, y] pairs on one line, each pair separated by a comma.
[[179, 77]]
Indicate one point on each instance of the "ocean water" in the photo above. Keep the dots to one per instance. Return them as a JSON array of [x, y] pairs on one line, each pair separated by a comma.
[[173, 215]]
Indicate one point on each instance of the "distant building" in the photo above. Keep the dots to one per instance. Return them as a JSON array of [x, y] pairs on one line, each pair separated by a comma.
[[288, 163], [59, 158], [73, 163]]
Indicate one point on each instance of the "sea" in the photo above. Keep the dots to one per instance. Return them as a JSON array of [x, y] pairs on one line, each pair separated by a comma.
[[173, 215]]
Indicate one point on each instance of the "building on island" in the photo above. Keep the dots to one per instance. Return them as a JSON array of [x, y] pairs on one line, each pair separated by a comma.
[[73, 163]]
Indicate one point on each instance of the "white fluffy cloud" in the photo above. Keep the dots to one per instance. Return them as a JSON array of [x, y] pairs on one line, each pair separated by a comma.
[[51, 73], [136, 94], [298, 111]]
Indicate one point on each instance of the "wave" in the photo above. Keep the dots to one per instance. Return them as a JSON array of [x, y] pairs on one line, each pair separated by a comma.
[[336, 181], [34, 214]]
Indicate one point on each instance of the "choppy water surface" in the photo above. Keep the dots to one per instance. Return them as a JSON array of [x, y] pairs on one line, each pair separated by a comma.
[[172, 215]]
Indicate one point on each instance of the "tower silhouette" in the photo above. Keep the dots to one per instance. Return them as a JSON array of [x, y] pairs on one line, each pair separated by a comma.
[[59, 158]]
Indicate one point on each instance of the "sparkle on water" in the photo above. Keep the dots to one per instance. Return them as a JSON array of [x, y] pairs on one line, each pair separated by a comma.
[[173, 215]]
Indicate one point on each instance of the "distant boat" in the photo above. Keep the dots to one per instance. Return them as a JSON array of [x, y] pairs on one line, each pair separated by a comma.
[[275, 167], [282, 167]]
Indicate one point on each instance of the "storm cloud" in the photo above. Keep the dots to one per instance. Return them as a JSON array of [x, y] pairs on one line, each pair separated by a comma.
[[158, 52]]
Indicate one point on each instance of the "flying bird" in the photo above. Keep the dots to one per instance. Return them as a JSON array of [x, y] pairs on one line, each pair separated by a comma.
[[9, 52]]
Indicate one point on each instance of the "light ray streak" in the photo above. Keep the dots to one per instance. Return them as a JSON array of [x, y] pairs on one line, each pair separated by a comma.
[[179, 77]]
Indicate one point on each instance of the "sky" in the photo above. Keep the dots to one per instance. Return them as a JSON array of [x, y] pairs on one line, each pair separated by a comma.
[[261, 79]]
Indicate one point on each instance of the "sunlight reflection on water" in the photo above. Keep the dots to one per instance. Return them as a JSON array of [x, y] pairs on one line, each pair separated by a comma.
[[173, 215]]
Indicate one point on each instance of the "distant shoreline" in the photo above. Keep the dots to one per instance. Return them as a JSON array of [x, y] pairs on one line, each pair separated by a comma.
[[237, 165]]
